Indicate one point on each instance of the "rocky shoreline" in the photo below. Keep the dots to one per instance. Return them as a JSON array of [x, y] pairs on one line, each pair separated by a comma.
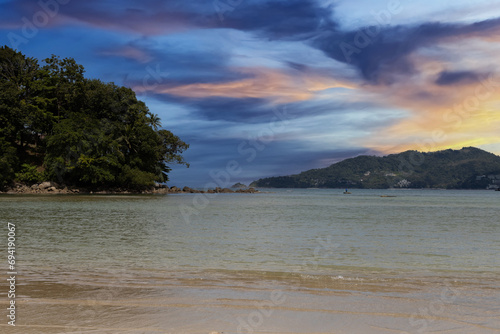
[[54, 188]]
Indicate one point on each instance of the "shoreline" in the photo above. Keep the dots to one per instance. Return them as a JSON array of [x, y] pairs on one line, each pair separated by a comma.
[[52, 188]]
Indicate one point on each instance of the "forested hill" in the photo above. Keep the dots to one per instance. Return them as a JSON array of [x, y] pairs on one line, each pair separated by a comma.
[[57, 125], [468, 168]]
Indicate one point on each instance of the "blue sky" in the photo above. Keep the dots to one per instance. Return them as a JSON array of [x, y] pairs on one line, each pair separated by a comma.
[[279, 87]]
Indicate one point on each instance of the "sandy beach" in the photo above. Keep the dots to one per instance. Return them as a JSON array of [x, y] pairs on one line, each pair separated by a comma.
[[252, 302]]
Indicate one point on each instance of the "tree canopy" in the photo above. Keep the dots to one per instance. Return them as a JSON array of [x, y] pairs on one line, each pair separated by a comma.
[[57, 125]]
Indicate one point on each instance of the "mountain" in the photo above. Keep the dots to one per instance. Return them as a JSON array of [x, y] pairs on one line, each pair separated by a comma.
[[468, 168]]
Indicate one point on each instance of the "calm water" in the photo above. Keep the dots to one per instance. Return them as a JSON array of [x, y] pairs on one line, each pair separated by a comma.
[[416, 231], [291, 237]]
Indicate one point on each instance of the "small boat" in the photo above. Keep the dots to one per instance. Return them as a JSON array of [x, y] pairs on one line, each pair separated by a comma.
[[346, 192]]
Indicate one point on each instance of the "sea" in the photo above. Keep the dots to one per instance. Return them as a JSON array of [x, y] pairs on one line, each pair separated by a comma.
[[280, 261]]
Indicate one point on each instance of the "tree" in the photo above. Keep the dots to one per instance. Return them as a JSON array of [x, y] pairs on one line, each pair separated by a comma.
[[82, 132], [21, 101]]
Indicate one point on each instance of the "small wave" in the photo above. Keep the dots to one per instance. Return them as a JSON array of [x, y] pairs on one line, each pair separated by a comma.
[[342, 278], [336, 278]]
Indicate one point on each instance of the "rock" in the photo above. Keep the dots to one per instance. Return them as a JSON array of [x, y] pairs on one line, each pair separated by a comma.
[[158, 191], [53, 189], [226, 191], [238, 186], [23, 189], [247, 191], [174, 189], [190, 190], [44, 185], [47, 184]]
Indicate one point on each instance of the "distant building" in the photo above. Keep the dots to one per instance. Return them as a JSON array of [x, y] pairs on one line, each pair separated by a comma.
[[403, 183]]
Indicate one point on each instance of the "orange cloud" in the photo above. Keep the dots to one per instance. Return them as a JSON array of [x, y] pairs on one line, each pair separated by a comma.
[[273, 84], [440, 117], [129, 52]]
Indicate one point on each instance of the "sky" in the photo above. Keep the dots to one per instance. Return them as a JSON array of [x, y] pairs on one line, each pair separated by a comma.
[[263, 88]]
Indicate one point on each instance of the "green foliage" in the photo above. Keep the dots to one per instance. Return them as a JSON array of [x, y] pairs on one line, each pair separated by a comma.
[[8, 162], [29, 174], [136, 178], [83, 132], [450, 169]]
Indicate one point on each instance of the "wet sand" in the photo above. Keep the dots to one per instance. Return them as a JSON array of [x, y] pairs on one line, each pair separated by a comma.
[[251, 302]]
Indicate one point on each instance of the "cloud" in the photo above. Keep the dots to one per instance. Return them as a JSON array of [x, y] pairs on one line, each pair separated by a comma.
[[148, 17], [273, 18], [451, 78], [128, 52], [142, 21], [463, 112], [382, 54], [291, 19], [260, 83], [238, 110]]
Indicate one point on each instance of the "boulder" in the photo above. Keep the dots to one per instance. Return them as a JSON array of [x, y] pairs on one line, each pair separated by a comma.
[[47, 184], [23, 189], [248, 191]]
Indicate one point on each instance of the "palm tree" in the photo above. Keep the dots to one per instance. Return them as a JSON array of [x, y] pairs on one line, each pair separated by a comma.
[[154, 121]]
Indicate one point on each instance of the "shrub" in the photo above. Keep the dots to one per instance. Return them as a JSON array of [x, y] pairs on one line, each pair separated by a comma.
[[29, 174]]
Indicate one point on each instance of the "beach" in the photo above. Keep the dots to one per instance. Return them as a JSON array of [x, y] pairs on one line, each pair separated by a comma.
[[246, 303], [288, 261]]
